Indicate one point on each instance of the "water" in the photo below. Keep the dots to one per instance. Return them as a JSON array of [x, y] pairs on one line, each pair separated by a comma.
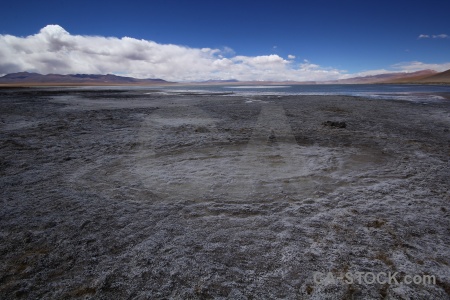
[[415, 93], [419, 93]]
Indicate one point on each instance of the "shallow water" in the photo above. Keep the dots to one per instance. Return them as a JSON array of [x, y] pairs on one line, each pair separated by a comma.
[[410, 92], [420, 93]]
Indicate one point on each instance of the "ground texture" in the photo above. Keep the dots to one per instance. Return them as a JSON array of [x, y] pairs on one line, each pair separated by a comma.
[[115, 194]]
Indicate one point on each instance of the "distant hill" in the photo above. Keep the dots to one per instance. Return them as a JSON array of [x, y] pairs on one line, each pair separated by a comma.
[[443, 77], [237, 82], [35, 79], [423, 78], [385, 78], [26, 78], [420, 77]]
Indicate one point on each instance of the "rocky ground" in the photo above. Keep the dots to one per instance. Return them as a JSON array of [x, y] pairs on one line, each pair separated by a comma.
[[144, 195]]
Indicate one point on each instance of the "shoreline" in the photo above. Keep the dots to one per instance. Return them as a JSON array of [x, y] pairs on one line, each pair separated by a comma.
[[266, 90], [250, 83]]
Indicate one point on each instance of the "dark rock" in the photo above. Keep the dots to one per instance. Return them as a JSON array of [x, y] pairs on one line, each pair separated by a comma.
[[272, 136], [335, 124]]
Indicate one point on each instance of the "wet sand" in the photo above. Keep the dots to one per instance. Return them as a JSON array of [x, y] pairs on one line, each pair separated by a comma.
[[144, 195]]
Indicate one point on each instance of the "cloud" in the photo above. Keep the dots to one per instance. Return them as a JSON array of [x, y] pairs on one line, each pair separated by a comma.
[[434, 36], [54, 50], [371, 73], [440, 36]]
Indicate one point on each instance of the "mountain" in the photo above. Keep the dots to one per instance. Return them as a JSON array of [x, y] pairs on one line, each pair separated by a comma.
[[419, 77], [443, 77], [26, 78], [385, 78], [74, 79], [266, 82]]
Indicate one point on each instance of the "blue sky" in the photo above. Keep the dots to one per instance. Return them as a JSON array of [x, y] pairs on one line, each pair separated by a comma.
[[335, 38]]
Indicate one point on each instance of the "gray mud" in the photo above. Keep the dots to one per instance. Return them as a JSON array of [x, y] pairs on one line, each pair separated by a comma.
[[142, 195]]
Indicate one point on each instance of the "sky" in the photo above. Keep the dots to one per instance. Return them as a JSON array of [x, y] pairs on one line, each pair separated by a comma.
[[245, 40]]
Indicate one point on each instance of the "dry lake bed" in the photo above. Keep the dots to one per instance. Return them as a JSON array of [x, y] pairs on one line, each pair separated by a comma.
[[139, 194]]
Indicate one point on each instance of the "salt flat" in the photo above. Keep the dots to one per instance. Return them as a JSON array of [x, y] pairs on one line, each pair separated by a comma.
[[146, 195]]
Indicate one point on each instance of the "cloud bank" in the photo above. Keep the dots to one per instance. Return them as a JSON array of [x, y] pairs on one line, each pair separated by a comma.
[[54, 50], [434, 36]]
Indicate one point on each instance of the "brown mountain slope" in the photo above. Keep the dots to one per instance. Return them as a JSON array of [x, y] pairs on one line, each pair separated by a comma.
[[438, 78], [385, 78], [443, 77]]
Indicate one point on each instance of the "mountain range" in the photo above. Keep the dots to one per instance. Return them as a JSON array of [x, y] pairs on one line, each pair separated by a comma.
[[27, 78], [386, 78], [35, 79], [436, 78]]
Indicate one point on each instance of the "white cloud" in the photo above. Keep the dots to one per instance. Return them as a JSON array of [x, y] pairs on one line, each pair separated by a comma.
[[440, 36], [371, 73], [54, 50], [434, 36]]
